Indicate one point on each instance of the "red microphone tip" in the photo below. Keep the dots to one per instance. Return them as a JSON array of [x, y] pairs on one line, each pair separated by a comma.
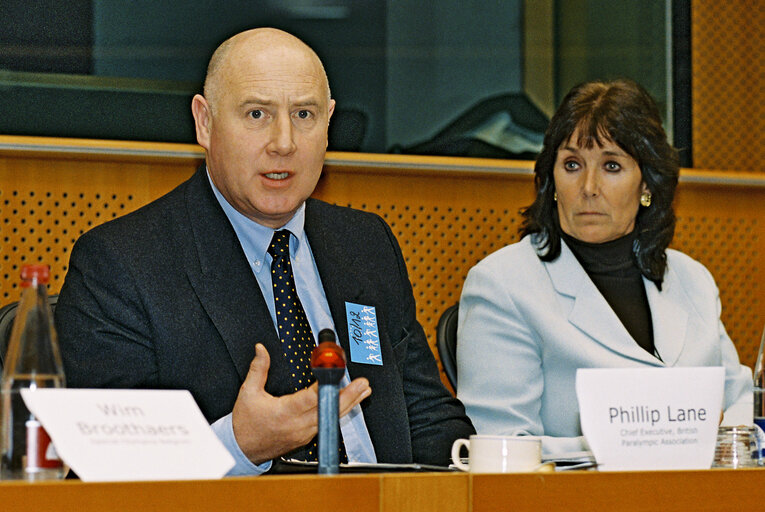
[[328, 355]]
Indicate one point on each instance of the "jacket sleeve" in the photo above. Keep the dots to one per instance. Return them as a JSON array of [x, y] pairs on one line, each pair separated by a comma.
[[739, 402], [499, 365]]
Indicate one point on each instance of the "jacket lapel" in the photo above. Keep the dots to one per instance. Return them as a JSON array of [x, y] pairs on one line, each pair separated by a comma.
[[670, 321], [590, 312], [222, 279], [338, 267], [352, 274]]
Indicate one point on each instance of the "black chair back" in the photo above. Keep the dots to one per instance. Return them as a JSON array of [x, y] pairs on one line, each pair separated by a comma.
[[446, 343]]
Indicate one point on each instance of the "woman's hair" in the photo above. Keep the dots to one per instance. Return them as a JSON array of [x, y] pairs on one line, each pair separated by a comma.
[[621, 112]]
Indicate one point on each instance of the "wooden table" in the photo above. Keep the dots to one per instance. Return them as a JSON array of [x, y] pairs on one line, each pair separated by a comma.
[[712, 490]]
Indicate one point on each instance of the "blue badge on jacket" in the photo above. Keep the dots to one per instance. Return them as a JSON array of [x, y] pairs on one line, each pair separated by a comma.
[[363, 334]]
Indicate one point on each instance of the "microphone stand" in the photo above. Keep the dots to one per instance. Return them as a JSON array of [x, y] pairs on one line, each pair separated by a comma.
[[328, 365]]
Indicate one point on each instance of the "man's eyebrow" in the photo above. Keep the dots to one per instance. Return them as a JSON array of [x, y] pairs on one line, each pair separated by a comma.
[[256, 101], [306, 102]]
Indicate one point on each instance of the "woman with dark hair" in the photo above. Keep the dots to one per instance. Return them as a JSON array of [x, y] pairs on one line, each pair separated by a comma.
[[592, 283]]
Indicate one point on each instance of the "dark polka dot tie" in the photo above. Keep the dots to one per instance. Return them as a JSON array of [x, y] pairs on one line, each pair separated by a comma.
[[294, 330]]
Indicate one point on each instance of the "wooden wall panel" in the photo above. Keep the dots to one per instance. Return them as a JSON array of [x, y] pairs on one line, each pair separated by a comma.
[[448, 220], [48, 198], [728, 76], [445, 221], [723, 227], [448, 213]]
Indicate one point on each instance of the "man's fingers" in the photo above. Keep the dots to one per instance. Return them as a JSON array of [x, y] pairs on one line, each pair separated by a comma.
[[305, 400], [258, 372], [353, 394], [301, 411]]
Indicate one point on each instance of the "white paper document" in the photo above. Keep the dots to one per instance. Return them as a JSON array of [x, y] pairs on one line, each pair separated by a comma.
[[651, 418], [122, 435]]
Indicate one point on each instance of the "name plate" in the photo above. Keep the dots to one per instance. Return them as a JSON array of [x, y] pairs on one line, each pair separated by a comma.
[[651, 418], [121, 434]]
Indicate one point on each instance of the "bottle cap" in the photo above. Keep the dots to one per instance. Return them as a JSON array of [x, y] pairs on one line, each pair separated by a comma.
[[34, 275]]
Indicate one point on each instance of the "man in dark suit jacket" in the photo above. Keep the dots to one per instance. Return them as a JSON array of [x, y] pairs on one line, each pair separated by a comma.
[[165, 297]]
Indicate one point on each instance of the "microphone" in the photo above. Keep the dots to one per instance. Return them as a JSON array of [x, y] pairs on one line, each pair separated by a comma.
[[328, 365]]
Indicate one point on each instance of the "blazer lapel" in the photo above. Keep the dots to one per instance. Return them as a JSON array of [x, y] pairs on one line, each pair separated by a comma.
[[222, 278], [338, 268], [670, 321], [590, 312]]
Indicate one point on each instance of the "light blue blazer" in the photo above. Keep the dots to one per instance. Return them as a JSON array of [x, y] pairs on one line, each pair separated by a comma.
[[525, 326]]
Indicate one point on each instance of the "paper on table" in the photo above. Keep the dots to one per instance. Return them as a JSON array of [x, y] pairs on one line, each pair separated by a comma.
[[121, 434], [581, 456], [651, 418], [368, 467]]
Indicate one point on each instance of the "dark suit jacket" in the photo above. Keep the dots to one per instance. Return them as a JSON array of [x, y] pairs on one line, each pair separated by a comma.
[[164, 298]]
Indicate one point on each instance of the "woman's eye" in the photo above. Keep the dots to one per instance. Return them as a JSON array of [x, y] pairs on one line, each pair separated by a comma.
[[570, 165], [613, 167]]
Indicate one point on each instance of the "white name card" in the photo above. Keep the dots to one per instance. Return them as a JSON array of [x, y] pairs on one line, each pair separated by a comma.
[[651, 418], [121, 434]]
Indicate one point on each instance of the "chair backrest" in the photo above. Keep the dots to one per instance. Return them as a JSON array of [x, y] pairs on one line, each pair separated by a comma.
[[446, 342], [7, 316]]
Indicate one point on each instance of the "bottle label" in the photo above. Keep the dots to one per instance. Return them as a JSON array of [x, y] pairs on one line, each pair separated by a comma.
[[41, 453]]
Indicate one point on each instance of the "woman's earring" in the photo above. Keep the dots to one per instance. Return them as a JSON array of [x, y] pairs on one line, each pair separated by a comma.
[[555, 197], [645, 199]]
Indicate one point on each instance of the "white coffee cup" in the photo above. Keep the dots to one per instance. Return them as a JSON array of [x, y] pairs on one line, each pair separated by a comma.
[[499, 454]]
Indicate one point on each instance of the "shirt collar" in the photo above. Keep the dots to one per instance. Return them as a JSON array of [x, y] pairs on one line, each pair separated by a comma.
[[255, 238]]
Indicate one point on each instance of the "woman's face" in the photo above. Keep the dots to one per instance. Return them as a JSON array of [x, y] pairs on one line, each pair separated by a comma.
[[598, 190]]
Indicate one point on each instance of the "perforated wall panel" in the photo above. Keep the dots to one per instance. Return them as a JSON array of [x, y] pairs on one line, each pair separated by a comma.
[[46, 204], [445, 222], [728, 76], [724, 229]]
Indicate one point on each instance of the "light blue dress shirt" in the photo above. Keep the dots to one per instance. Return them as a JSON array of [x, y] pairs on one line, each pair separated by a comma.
[[255, 240]]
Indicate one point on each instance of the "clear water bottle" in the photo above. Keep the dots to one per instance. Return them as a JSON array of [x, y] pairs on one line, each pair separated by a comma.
[[759, 385], [33, 361]]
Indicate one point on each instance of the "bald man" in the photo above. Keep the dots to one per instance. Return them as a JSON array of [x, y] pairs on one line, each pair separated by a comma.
[[179, 295]]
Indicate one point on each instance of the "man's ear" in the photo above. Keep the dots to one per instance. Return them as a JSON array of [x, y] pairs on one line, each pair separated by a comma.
[[330, 111], [202, 119]]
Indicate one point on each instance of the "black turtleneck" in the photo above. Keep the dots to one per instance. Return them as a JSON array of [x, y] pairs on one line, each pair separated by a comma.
[[611, 266]]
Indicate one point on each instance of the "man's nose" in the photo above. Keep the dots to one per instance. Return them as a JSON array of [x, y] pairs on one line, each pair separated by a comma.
[[282, 141]]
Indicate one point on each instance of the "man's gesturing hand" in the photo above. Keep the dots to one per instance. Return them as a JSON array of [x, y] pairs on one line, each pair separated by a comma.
[[266, 426]]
